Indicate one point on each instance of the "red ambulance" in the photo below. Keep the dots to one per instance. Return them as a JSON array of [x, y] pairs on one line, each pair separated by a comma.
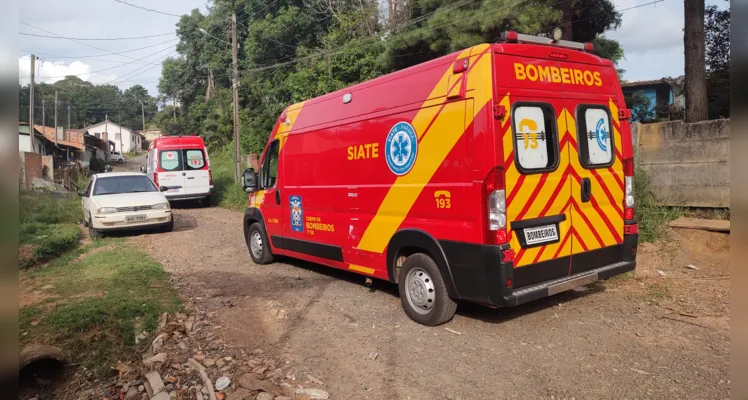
[[181, 164], [497, 175]]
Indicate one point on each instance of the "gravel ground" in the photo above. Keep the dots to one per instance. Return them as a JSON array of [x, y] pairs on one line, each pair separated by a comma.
[[648, 336]]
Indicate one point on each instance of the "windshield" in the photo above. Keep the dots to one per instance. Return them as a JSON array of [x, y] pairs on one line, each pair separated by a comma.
[[123, 184]]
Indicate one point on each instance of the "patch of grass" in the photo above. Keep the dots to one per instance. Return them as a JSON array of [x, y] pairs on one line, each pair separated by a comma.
[[657, 292], [48, 225], [226, 193], [707, 213], [651, 217], [105, 299]]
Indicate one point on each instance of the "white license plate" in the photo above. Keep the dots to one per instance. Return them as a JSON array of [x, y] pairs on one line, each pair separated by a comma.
[[135, 218], [541, 234]]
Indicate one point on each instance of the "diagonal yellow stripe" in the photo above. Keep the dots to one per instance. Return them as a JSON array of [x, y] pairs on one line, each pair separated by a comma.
[[445, 131]]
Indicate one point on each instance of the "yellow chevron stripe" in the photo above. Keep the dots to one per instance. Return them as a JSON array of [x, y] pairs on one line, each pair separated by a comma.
[[283, 128], [359, 268], [445, 131]]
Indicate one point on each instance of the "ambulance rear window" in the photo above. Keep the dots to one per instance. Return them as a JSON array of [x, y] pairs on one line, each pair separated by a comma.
[[595, 136], [535, 138], [171, 160]]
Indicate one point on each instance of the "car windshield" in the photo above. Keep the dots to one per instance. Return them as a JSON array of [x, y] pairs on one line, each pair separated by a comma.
[[123, 184]]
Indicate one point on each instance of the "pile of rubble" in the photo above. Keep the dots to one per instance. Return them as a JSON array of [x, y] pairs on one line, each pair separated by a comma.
[[186, 360]]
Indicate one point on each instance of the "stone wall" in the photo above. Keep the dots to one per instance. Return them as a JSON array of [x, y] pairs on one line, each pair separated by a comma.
[[689, 164]]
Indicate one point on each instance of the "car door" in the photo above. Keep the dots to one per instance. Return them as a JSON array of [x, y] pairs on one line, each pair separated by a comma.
[[196, 175], [272, 208]]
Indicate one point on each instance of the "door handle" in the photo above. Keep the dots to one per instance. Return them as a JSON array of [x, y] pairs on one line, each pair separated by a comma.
[[277, 197], [586, 190]]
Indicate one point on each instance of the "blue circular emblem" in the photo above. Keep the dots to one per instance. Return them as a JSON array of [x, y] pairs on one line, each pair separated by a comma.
[[401, 148], [601, 135]]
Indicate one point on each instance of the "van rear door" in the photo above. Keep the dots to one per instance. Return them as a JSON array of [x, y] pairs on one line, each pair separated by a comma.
[[196, 171], [170, 167], [536, 161], [596, 167]]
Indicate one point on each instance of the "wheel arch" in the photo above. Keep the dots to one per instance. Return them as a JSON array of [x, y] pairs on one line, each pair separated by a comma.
[[410, 241], [252, 215]]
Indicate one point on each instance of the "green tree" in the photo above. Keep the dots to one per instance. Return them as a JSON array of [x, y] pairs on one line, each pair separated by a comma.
[[640, 106]]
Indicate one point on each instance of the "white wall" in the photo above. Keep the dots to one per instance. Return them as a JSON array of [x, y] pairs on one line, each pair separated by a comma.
[[113, 131], [23, 145]]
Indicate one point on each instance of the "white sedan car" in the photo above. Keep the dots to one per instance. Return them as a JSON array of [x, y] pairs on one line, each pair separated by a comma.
[[119, 201]]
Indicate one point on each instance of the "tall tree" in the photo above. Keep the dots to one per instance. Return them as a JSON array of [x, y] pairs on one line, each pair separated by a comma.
[[695, 64], [717, 29]]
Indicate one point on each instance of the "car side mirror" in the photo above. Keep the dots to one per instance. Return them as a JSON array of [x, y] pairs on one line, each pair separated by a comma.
[[142, 169], [163, 188], [82, 193], [250, 180]]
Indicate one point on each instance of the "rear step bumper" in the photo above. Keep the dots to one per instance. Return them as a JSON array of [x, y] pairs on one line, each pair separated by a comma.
[[549, 288]]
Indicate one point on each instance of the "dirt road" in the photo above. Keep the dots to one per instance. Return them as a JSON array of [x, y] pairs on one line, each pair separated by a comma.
[[649, 336]]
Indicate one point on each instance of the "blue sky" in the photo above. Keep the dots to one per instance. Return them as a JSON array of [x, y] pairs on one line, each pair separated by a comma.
[[651, 36]]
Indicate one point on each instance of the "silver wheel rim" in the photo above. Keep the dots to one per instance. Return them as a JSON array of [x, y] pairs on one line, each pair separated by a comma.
[[420, 291], [255, 244]]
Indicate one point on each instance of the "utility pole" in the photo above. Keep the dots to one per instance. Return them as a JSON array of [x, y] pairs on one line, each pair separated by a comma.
[[119, 122], [31, 103], [142, 112], [235, 85], [55, 117], [68, 120], [44, 118]]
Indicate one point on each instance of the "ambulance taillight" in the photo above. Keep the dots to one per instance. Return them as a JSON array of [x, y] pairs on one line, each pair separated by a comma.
[[494, 200], [629, 201]]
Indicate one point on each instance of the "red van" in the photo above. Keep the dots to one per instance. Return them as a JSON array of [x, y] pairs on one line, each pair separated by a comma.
[[181, 164], [497, 175]]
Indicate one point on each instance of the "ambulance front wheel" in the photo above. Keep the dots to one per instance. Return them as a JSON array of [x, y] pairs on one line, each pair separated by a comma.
[[257, 242], [423, 293]]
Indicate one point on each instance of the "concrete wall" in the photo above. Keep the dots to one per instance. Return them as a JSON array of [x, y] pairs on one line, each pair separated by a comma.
[[688, 164]]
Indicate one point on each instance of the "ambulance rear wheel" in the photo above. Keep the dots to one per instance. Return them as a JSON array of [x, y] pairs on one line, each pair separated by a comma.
[[423, 293], [257, 242]]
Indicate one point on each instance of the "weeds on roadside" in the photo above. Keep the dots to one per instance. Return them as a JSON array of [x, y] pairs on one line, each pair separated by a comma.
[[48, 226], [651, 217], [226, 193], [102, 301]]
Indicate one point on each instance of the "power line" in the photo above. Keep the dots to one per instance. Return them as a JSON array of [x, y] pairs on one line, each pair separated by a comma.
[[148, 9], [72, 38], [602, 15], [107, 69], [100, 55], [130, 75]]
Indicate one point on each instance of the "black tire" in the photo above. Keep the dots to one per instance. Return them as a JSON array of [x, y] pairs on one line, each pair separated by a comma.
[[265, 255], [120, 161], [94, 233], [85, 222], [168, 227], [436, 305], [205, 201]]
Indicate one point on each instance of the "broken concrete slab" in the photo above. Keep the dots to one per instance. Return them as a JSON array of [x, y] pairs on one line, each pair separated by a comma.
[[155, 382]]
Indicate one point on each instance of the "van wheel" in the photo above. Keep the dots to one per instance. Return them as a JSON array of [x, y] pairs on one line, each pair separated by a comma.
[[423, 293], [120, 161], [259, 247]]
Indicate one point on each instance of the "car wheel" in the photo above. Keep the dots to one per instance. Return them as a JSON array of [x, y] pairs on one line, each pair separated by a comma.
[[257, 243], [168, 227], [94, 233], [85, 222], [423, 293], [205, 202]]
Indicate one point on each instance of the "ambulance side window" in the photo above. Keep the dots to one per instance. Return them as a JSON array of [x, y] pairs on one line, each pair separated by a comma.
[[535, 138], [269, 172], [595, 137]]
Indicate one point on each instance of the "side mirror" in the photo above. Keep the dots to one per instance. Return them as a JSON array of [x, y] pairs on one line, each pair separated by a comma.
[[163, 188], [250, 180], [142, 169], [82, 193]]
